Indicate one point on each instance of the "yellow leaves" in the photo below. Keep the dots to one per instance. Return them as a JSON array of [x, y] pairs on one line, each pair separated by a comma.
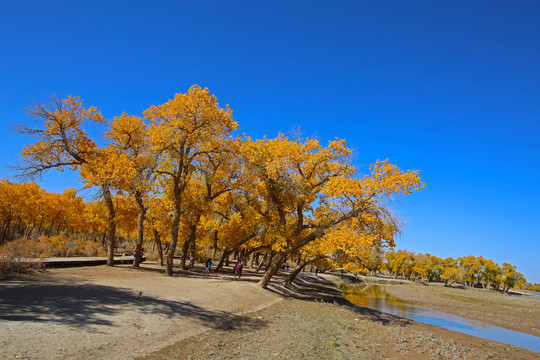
[[189, 118], [283, 193], [387, 179], [127, 131], [322, 185], [63, 140], [73, 111], [35, 207], [338, 147]]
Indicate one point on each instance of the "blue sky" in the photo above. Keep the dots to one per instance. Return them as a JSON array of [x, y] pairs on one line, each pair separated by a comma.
[[450, 88]]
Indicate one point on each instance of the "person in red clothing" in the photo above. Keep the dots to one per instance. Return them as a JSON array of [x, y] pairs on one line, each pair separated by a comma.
[[142, 258], [238, 269]]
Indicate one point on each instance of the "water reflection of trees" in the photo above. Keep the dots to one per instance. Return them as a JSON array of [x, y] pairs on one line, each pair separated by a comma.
[[375, 297]]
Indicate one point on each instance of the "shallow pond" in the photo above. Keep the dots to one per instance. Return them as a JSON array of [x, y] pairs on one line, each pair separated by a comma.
[[376, 298]]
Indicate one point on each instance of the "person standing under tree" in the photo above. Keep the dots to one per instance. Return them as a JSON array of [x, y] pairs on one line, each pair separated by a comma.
[[142, 258], [238, 269], [208, 267]]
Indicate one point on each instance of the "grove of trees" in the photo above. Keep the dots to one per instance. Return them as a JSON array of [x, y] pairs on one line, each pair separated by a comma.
[[42, 222], [181, 177], [469, 270], [178, 178]]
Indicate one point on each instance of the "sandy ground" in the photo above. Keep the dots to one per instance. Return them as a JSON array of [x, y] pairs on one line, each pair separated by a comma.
[[124, 313], [299, 329], [115, 313], [315, 322]]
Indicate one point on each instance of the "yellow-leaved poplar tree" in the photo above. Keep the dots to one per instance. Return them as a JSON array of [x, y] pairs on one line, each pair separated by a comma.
[[184, 131]]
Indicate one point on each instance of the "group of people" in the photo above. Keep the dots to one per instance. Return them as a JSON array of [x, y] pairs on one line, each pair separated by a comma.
[[237, 269]]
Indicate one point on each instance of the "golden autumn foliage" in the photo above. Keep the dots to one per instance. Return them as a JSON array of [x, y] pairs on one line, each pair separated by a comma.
[[177, 175], [179, 170], [187, 132], [38, 224], [470, 270], [63, 140], [308, 191]]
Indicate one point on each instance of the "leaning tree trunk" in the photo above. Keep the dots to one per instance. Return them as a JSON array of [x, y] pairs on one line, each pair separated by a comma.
[[5, 230], [224, 256], [301, 264], [264, 260], [268, 259], [252, 253], [272, 270], [157, 239], [111, 233]]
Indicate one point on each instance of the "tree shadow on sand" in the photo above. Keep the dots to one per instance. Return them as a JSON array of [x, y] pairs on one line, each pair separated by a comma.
[[80, 304], [315, 288], [306, 286]]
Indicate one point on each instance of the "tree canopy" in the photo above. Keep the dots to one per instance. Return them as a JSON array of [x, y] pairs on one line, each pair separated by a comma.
[[180, 170]]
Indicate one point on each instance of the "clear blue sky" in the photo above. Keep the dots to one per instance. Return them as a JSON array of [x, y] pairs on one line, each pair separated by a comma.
[[451, 88]]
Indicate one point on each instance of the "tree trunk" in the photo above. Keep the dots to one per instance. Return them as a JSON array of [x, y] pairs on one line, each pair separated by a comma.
[[58, 228], [225, 255], [269, 260], [189, 244], [174, 240], [264, 261], [140, 239], [193, 252], [242, 255], [215, 245], [159, 246], [255, 260], [140, 229], [5, 230], [111, 235], [274, 267], [185, 251], [40, 228], [301, 264]]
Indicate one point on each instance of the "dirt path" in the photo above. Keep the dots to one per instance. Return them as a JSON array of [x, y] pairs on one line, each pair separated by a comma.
[[115, 313]]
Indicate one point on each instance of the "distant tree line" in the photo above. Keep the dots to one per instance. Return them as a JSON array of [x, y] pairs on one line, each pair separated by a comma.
[[472, 271]]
